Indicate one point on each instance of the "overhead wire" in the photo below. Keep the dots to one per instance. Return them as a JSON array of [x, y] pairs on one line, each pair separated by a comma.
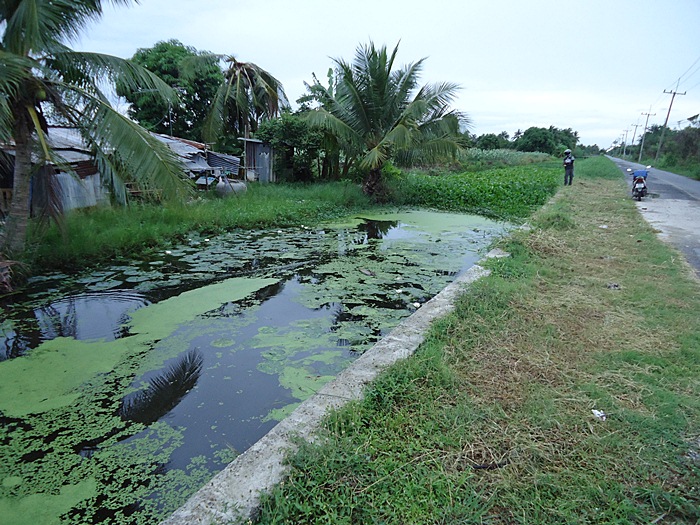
[[677, 84], [691, 67]]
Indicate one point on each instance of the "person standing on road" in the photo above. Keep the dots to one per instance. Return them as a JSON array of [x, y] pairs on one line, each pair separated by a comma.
[[568, 167]]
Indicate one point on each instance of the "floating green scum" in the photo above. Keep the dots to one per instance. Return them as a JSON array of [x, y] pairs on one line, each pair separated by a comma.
[[124, 430]]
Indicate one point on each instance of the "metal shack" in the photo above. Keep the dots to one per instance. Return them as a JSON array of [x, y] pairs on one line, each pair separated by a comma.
[[258, 160]]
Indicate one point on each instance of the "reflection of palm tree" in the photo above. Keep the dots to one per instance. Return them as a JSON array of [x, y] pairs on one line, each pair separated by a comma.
[[377, 229], [165, 390]]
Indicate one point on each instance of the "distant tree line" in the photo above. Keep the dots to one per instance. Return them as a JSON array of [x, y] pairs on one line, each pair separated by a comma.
[[323, 139], [679, 149], [550, 140]]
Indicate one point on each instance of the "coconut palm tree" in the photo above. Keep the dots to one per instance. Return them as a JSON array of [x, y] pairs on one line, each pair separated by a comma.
[[379, 113], [247, 95], [42, 79]]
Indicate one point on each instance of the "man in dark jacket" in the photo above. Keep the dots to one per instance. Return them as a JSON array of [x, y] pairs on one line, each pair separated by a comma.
[[568, 167]]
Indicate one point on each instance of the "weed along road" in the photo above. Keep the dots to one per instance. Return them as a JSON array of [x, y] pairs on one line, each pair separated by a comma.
[[673, 207]]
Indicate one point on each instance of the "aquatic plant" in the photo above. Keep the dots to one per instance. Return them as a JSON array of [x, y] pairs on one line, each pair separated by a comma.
[[214, 340], [506, 193]]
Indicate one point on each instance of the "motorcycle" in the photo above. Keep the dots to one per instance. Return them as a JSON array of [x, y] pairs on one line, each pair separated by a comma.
[[639, 182]]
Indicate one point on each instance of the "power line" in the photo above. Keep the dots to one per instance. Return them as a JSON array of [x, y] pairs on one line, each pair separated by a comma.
[[691, 67], [685, 73]]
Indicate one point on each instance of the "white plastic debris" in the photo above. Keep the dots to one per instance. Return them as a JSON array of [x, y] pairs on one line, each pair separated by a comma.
[[599, 414], [168, 252], [416, 305]]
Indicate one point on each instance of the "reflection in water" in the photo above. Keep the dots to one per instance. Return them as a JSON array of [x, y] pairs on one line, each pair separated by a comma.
[[376, 229], [85, 316], [164, 391], [89, 315]]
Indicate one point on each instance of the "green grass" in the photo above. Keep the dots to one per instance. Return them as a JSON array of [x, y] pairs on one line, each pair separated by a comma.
[[491, 422], [475, 159], [95, 236]]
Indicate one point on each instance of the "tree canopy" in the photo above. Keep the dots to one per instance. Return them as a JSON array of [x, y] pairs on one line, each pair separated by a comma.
[[195, 76], [42, 78]]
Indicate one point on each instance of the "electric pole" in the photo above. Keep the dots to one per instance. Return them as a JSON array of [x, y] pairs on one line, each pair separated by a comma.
[[661, 140], [644, 134], [624, 149], [635, 132]]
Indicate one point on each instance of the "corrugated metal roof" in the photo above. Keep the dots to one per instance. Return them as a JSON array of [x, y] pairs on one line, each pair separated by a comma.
[[69, 144], [74, 156], [181, 148], [66, 138], [221, 160], [197, 163]]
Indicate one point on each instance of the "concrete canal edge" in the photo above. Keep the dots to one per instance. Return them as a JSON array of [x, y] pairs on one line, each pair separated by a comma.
[[232, 497]]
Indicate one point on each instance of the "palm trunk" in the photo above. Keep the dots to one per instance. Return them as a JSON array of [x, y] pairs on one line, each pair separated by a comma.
[[15, 234], [373, 183]]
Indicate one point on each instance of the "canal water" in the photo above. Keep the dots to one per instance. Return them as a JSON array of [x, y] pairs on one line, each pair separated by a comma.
[[124, 390]]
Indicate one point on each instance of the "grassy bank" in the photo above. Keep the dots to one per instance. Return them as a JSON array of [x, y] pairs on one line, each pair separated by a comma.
[[94, 236], [91, 237], [491, 421]]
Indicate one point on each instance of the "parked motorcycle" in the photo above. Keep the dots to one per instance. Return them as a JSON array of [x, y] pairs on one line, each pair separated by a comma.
[[639, 182]]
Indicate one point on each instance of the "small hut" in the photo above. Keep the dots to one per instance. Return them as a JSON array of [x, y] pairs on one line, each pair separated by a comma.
[[258, 160]]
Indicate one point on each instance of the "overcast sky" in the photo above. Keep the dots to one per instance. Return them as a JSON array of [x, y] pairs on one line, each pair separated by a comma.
[[592, 65]]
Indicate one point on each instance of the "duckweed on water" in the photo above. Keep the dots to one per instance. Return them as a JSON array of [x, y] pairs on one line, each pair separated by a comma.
[[84, 420], [51, 376]]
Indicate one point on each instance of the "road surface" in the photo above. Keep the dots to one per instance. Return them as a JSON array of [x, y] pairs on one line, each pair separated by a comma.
[[672, 207]]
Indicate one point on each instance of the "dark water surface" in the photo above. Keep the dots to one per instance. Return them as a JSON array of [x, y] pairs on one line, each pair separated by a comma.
[[123, 391]]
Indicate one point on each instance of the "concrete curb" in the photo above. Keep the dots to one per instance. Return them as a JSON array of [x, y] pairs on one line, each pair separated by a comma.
[[233, 495]]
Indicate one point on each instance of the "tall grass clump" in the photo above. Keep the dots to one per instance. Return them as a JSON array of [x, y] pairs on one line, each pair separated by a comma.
[[97, 235], [597, 168]]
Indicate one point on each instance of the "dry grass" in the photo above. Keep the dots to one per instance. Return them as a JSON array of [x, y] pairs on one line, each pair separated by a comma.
[[580, 306]]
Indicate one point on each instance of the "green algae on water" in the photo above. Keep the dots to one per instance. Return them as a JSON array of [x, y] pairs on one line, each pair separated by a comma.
[[51, 375], [45, 509]]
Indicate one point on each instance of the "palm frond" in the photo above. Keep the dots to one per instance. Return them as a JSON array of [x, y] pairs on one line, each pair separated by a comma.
[[134, 153], [14, 70], [32, 26], [374, 158], [325, 120], [217, 116], [85, 70]]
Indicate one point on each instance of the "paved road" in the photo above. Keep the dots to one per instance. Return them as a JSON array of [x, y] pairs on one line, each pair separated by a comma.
[[673, 208]]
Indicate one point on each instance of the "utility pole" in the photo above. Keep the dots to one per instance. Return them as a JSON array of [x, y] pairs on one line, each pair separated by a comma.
[[661, 140], [624, 149], [644, 134], [635, 132]]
